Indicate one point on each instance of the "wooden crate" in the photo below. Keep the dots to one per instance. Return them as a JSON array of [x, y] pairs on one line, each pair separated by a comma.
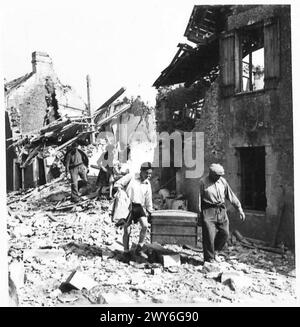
[[174, 227]]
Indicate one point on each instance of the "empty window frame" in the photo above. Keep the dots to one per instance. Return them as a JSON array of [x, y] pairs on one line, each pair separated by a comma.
[[252, 58], [253, 179]]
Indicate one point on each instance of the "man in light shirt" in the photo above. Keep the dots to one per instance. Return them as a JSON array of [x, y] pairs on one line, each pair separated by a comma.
[[139, 192], [214, 189]]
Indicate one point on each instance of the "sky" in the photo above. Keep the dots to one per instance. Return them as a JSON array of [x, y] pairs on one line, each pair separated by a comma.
[[118, 43]]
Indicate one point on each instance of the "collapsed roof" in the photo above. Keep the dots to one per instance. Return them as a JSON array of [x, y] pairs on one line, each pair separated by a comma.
[[201, 62], [59, 134], [64, 131]]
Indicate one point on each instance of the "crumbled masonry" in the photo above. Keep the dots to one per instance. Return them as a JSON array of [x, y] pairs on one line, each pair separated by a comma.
[[47, 245]]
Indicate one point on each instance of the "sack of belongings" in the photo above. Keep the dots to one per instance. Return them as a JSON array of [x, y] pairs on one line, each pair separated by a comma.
[[121, 206]]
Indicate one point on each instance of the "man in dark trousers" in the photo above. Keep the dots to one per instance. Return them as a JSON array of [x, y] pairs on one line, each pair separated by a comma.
[[214, 190], [76, 162]]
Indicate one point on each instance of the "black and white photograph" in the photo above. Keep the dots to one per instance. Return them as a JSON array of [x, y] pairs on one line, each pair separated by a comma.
[[148, 155]]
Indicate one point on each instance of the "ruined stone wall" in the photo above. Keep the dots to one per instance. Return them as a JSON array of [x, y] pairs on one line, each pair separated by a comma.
[[261, 118], [212, 123], [27, 103], [137, 131], [265, 119], [10, 155]]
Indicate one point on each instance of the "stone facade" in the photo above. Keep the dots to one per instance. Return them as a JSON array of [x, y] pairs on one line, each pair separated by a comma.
[[257, 119], [235, 122], [28, 98], [33, 100]]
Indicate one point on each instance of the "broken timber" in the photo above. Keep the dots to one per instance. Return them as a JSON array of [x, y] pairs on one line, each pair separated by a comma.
[[251, 245], [69, 206]]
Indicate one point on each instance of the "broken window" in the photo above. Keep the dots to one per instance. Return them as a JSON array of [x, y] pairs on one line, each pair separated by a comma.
[[252, 62], [194, 110], [253, 179]]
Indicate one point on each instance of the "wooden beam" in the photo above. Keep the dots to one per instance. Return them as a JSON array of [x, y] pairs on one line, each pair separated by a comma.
[[115, 114], [113, 98]]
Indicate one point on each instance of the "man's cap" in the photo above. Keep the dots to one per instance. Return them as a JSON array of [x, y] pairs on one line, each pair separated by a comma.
[[146, 166], [217, 169]]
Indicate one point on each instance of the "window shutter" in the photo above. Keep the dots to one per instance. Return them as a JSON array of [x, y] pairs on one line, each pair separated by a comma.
[[227, 45], [272, 52]]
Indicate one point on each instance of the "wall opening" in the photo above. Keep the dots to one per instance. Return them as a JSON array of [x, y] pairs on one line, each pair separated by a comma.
[[41, 172], [252, 63], [253, 178], [17, 176]]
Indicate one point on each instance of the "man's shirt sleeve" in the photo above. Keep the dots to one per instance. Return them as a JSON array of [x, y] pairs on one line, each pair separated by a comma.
[[232, 198], [123, 181]]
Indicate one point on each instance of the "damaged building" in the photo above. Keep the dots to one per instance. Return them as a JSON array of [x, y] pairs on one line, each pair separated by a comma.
[[44, 117], [242, 61], [32, 102], [129, 126]]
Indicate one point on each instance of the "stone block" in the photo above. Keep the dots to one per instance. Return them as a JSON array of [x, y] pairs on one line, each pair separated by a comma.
[[171, 260], [78, 280], [235, 280]]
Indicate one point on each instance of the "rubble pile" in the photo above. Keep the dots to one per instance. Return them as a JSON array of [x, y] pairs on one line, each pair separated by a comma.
[[75, 256], [51, 139]]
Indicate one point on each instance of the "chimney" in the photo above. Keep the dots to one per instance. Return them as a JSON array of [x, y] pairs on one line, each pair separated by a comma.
[[41, 62]]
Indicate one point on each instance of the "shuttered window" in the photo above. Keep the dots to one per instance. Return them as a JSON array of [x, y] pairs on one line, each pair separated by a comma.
[[227, 48], [250, 58]]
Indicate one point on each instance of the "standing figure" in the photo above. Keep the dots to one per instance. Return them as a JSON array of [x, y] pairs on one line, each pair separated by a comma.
[[214, 189], [76, 162], [105, 171], [139, 192]]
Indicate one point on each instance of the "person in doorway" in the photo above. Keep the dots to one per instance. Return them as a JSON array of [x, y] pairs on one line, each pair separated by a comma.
[[76, 163], [105, 171], [139, 192], [214, 190]]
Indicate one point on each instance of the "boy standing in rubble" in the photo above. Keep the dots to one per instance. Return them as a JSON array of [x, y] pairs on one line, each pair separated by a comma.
[[138, 189], [76, 162]]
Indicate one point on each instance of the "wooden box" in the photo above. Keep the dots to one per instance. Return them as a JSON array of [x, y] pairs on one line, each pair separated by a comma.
[[174, 227]]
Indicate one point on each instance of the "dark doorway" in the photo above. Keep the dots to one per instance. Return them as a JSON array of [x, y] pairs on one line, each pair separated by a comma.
[[42, 175], [253, 178], [17, 176]]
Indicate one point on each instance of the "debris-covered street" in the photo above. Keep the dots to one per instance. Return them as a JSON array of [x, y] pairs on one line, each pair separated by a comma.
[[138, 175], [47, 245]]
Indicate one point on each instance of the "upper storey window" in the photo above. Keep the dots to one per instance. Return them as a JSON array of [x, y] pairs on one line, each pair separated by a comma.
[[252, 59]]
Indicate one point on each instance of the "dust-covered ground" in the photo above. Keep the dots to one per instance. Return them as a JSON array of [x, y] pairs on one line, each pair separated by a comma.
[[49, 238]]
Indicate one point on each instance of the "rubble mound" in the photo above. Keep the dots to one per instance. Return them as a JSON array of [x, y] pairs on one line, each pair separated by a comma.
[[63, 254]]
